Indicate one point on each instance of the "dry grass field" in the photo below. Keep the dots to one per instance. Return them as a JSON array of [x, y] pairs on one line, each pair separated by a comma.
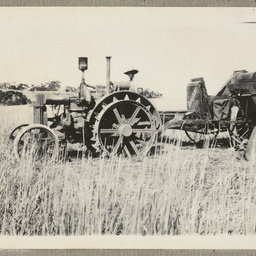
[[177, 190]]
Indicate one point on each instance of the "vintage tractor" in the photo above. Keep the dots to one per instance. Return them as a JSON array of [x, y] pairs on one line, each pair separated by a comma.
[[120, 122]]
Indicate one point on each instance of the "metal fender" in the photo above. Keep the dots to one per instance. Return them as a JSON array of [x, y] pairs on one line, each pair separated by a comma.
[[250, 152]]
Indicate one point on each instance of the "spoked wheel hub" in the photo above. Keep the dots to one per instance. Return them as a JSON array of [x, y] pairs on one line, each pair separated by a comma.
[[125, 130]]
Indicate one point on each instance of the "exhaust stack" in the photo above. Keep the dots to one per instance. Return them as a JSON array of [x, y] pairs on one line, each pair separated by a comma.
[[108, 75]]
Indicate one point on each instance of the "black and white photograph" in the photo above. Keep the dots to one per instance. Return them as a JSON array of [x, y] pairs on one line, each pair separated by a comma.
[[127, 127]]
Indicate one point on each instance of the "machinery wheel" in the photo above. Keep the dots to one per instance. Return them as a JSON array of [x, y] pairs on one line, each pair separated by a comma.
[[36, 141], [250, 148], [15, 131], [240, 130], [195, 137], [195, 133], [125, 126]]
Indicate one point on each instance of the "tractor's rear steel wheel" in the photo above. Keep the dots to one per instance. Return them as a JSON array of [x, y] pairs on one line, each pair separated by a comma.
[[125, 126], [36, 142]]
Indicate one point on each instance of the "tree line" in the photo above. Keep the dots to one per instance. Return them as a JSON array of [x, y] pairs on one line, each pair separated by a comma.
[[49, 86], [55, 86]]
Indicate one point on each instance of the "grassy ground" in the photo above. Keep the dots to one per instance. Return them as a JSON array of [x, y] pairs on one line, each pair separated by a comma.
[[175, 190]]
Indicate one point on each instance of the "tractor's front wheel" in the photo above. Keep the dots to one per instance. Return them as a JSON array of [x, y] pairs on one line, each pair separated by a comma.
[[36, 142]]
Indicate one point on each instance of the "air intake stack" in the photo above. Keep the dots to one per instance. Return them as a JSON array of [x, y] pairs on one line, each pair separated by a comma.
[[82, 64]]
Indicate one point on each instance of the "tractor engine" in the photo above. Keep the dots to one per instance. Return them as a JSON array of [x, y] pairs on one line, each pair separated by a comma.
[[69, 118]]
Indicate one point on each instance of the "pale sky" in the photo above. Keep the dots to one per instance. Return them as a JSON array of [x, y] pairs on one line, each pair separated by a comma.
[[168, 46]]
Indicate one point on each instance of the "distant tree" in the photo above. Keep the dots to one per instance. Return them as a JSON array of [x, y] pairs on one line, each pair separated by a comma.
[[4, 85], [32, 87], [43, 87], [49, 86], [151, 94], [53, 85], [70, 89], [22, 86], [12, 87], [36, 88], [13, 98]]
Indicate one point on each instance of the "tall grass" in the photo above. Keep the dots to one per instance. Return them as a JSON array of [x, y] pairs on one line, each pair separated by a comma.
[[174, 191]]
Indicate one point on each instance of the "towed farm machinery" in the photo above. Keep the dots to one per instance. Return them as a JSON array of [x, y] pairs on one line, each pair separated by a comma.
[[121, 120]]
